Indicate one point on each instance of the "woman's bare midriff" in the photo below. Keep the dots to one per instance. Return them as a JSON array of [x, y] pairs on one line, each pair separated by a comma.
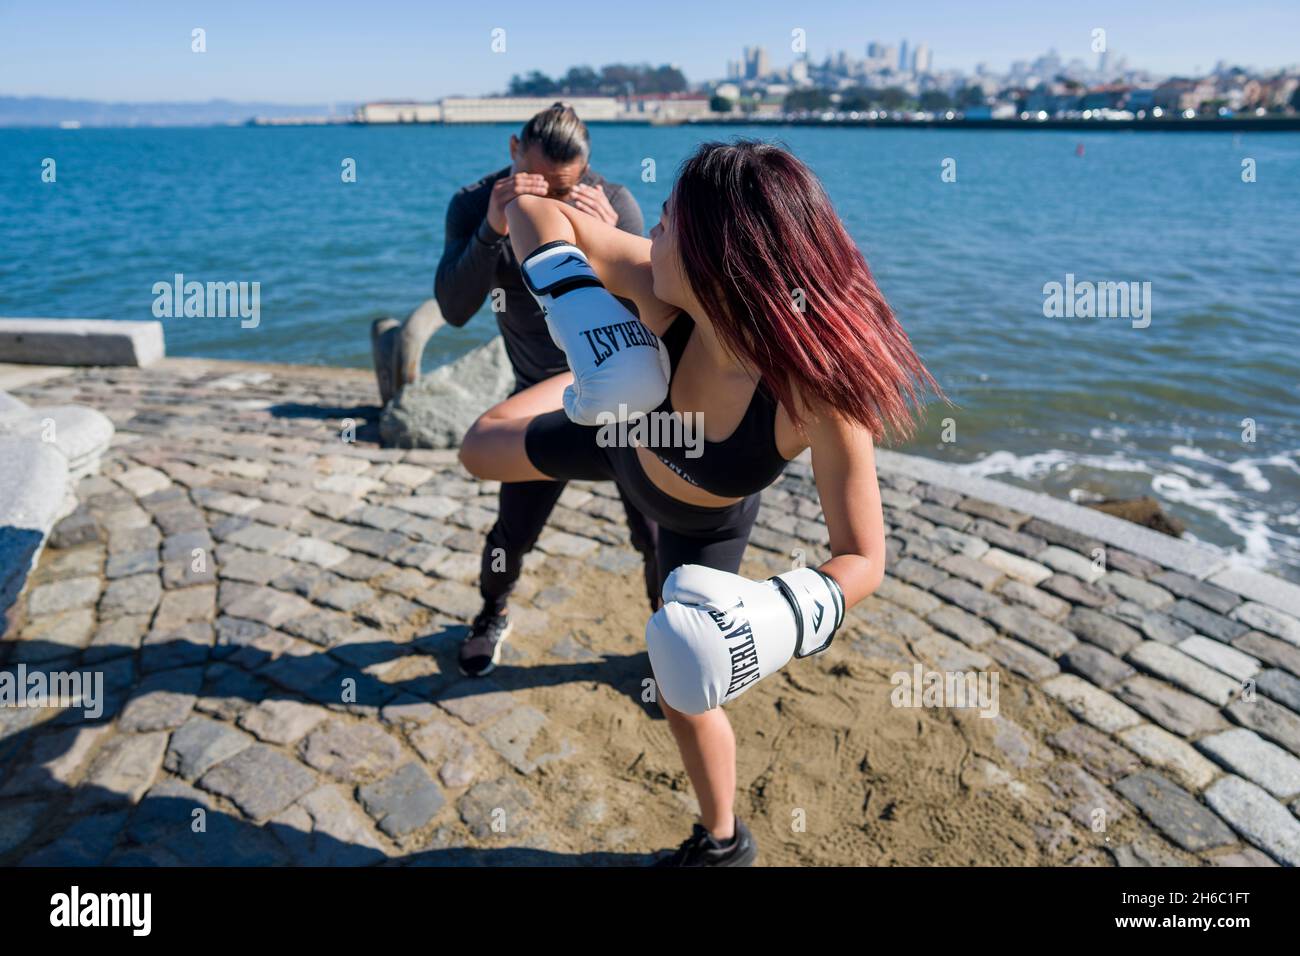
[[675, 486], [789, 444]]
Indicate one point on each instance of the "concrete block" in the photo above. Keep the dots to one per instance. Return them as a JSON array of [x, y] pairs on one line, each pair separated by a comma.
[[80, 342]]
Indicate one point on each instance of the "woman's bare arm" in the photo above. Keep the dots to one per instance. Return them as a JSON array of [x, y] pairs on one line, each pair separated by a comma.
[[621, 259], [844, 467]]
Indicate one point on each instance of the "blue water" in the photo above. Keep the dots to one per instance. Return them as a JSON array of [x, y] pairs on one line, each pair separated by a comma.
[[1078, 407]]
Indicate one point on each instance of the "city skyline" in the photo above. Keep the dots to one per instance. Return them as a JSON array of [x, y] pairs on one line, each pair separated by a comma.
[[912, 65], [323, 52]]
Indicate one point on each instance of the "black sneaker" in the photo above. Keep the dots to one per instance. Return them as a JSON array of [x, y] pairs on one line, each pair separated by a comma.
[[701, 849], [481, 649]]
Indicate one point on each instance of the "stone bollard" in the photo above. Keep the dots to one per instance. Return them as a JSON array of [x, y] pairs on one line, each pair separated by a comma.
[[398, 346], [383, 349]]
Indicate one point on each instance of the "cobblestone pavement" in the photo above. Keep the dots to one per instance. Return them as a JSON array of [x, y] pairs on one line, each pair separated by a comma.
[[274, 602]]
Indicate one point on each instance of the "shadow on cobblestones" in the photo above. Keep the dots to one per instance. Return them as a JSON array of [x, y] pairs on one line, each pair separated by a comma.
[[124, 813], [107, 830], [366, 417]]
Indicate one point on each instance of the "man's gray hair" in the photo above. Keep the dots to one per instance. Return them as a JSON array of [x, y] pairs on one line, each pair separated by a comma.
[[562, 137]]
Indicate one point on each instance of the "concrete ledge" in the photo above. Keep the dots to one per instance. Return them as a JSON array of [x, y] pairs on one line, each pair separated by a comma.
[[1192, 559], [80, 342], [1264, 588]]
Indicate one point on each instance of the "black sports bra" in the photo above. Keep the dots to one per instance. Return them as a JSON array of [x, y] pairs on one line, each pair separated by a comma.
[[743, 463]]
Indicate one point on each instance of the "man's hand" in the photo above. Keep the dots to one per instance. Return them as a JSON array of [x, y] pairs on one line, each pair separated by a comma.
[[506, 190], [593, 201]]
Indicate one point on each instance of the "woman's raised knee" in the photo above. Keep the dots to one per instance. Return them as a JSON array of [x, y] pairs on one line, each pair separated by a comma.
[[472, 449]]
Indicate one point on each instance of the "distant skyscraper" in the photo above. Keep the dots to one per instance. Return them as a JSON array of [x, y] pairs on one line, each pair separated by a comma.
[[756, 64], [888, 57], [921, 59], [1048, 65], [904, 63], [873, 50]]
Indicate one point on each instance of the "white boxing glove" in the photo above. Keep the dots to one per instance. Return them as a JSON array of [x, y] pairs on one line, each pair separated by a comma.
[[620, 368], [718, 634]]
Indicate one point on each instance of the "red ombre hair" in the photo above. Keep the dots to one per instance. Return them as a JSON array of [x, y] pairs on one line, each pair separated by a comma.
[[753, 224]]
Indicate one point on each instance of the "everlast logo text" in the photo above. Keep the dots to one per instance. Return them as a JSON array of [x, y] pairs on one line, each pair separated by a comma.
[[605, 340], [740, 642]]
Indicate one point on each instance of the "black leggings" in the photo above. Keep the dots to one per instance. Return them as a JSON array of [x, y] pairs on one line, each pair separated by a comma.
[[684, 533], [523, 508], [522, 512]]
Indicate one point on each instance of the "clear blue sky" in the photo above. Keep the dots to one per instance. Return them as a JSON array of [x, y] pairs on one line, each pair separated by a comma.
[[345, 50]]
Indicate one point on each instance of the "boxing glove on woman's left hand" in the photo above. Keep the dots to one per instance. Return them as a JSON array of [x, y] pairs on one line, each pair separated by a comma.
[[717, 633], [620, 368]]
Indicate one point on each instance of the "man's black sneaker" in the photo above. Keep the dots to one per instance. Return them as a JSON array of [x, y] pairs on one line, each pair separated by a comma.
[[481, 649], [701, 849]]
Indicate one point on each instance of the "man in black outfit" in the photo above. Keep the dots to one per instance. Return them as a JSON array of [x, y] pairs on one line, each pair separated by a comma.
[[548, 158]]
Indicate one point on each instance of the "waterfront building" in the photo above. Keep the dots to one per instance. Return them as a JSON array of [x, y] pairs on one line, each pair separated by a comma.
[[399, 111]]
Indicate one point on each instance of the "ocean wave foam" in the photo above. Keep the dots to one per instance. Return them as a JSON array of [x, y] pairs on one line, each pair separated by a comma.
[[1262, 543], [1040, 464], [1250, 469]]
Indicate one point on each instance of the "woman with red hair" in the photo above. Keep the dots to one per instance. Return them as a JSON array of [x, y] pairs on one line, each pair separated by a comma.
[[776, 333]]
